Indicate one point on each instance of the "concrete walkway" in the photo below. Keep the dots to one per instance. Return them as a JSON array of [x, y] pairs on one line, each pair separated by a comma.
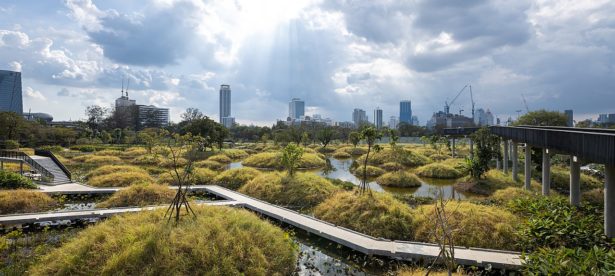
[[357, 241]]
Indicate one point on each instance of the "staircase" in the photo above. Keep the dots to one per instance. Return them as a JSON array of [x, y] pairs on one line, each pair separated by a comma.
[[59, 176]]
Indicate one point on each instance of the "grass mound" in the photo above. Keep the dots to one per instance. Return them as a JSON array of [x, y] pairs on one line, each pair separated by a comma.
[[147, 159], [134, 152], [210, 164], [492, 181], [97, 159], [24, 201], [235, 154], [119, 179], [235, 178], [438, 170], [139, 195], [379, 215], [200, 176], [560, 180], [108, 152], [303, 190], [108, 169], [372, 171], [220, 158], [478, 225], [408, 158], [169, 163], [510, 193], [10, 180], [272, 160], [341, 155], [219, 241], [399, 179], [355, 151], [391, 166]]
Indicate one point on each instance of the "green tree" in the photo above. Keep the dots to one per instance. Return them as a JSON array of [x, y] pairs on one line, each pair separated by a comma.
[[355, 138], [291, 155], [265, 138], [543, 118], [487, 147], [370, 135], [305, 139], [325, 136]]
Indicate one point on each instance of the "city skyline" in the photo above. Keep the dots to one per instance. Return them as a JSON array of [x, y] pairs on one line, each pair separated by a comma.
[[325, 53]]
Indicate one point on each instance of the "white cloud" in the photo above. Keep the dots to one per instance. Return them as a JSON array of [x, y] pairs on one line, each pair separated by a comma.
[[29, 92]]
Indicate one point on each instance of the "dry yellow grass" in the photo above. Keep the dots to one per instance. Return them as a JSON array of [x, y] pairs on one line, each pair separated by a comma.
[[24, 201], [139, 195], [119, 179]]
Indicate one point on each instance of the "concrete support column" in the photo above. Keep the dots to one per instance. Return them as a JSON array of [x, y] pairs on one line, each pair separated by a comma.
[[471, 149], [528, 166], [505, 156], [21, 167], [609, 201], [575, 177], [546, 172], [453, 147], [497, 164], [515, 162]]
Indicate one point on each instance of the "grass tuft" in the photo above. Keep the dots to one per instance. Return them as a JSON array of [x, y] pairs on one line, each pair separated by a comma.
[[139, 195], [235, 178], [24, 201]]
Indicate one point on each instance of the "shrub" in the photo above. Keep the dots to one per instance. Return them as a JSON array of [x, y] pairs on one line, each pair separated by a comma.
[[510, 193], [220, 159], [569, 261], [341, 155], [119, 179], [272, 160], [560, 180], [11, 144], [24, 201], [552, 222], [371, 171], [303, 190], [379, 215], [399, 179], [213, 165], [11, 180], [235, 178], [479, 226], [139, 195], [199, 176], [54, 149], [218, 241], [438, 170], [108, 169], [235, 154]]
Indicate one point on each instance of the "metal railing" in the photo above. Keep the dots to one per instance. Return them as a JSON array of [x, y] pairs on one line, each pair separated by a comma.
[[47, 175], [50, 154]]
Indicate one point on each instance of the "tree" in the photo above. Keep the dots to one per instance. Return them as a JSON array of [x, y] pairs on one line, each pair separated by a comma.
[[265, 138], [96, 115], [325, 136], [10, 124], [355, 138], [543, 118], [192, 114], [305, 139], [291, 155], [370, 135], [487, 147]]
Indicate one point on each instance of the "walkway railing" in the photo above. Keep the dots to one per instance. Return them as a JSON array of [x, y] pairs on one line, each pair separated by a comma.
[[47, 175], [50, 154]]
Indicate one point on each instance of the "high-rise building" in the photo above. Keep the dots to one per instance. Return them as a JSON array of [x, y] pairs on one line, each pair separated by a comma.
[[393, 122], [359, 117], [405, 112], [415, 121], [569, 117], [225, 106], [296, 109], [10, 92], [138, 116], [378, 118]]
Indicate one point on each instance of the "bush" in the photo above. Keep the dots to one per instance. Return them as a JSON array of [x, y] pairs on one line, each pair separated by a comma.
[[569, 261], [379, 215], [371, 171], [553, 222], [109, 169], [213, 165], [479, 226], [10, 180], [24, 201], [199, 176], [235, 154], [139, 195], [303, 190], [218, 241], [11, 144], [235, 178], [84, 148], [220, 159], [437, 170], [54, 149], [510, 193], [272, 160], [399, 179], [119, 179]]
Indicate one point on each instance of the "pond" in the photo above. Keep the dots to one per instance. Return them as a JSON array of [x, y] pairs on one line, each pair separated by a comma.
[[430, 187]]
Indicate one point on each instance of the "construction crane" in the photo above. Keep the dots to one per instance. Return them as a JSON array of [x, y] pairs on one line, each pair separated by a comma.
[[525, 103], [447, 105]]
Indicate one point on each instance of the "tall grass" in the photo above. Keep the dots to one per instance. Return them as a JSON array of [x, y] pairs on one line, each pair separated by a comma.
[[199, 176], [139, 195], [399, 179], [272, 160], [119, 179], [108, 169], [438, 170], [235, 178], [24, 201]]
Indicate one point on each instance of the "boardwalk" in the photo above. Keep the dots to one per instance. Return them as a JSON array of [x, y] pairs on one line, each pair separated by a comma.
[[357, 241]]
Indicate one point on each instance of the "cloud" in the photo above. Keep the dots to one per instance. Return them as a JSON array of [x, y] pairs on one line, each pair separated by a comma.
[[29, 92]]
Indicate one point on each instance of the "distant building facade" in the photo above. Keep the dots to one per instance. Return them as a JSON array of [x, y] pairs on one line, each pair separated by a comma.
[[378, 118], [10, 92], [359, 117], [569, 117], [483, 118], [441, 120], [345, 124], [140, 116], [38, 117], [296, 109], [415, 121], [393, 122], [405, 111], [225, 106]]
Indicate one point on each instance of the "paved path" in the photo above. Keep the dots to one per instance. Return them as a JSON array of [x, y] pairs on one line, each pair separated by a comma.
[[89, 214], [357, 241]]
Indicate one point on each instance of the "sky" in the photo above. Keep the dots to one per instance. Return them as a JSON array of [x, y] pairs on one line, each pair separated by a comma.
[[336, 55]]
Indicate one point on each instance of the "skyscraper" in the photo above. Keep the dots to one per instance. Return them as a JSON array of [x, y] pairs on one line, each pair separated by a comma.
[[225, 106], [296, 109], [378, 118], [359, 117], [393, 122], [569, 117], [405, 112], [10, 92]]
